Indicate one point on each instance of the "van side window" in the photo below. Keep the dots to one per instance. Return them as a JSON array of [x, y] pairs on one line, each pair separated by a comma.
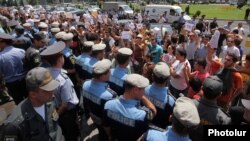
[[172, 12]]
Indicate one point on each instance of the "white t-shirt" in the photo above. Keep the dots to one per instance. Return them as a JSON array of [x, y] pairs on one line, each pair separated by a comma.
[[233, 50], [41, 111], [179, 83]]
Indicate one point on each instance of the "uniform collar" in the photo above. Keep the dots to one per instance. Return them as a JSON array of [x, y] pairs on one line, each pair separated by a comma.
[[130, 101], [122, 69], [29, 111], [100, 84]]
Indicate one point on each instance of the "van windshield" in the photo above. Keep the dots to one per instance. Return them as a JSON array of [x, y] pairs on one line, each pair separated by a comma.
[[125, 7], [178, 10]]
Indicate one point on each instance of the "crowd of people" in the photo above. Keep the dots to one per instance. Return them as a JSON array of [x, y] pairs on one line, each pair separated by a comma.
[[134, 86]]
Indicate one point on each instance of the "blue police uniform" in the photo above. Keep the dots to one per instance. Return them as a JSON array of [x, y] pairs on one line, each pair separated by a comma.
[[169, 135], [126, 119], [126, 108], [81, 67], [66, 93], [25, 42], [52, 40], [89, 65], [95, 95], [116, 79], [12, 67], [164, 103]]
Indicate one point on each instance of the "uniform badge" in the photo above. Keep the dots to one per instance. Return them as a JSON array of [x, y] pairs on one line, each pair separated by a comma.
[[55, 115]]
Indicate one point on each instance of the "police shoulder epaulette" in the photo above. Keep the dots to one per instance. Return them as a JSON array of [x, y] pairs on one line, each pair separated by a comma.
[[112, 92], [64, 74], [149, 113]]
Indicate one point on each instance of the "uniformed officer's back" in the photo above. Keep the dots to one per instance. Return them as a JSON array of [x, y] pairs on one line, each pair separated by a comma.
[[124, 116], [160, 96]]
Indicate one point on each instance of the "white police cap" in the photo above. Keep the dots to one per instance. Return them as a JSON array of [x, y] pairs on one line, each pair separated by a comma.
[[43, 25], [55, 30], [88, 43], [59, 35], [27, 25], [55, 24], [97, 47], [186, 112], [102, 66], [161, 70], [53, 49], [137, 80], [125, 51], [67, 36]]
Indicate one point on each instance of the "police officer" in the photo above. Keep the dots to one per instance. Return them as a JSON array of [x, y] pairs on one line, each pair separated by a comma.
[[128, 119], [119, 74], [96, 93], [98, 52], [21, 41], [29, 32], [160, 96], [35, 117], [32, 55], [12, 68], [54, 31], [36, 23], [185, 117], [65, 95], [81, 60], [209, 111]]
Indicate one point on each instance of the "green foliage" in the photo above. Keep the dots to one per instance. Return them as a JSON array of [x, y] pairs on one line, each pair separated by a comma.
[[198, 13]]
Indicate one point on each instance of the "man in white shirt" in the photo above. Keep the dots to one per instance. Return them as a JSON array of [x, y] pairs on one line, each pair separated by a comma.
[[230, 48]]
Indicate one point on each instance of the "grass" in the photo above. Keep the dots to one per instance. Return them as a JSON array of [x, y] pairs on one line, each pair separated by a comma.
[[219, 11], [212, 10]]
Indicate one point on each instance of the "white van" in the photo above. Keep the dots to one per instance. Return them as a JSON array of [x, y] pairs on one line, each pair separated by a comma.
[[173, 13]]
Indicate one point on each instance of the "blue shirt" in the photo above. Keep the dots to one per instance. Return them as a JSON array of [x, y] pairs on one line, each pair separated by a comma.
[[98, 89], [202, 52], [118, 75], [52, 40], [169, 135], [67, 52], [11, 64], [155, 52], [159, 96], [126, 108], [65, 92], [89, 64], [82, 59]]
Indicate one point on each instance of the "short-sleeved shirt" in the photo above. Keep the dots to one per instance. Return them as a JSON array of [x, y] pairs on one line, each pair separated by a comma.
[[155, 52], [169, 135], [11, 64], [127, 108]]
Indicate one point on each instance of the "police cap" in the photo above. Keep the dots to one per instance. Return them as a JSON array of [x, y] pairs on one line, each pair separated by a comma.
[[59, 35], [186, 112], [67, 36], [125, 51], [97, 47], [88, 44], [43, 25], [55, 24], [40, 36], [27, 25], [40, 77], [213, 85], [137, 80], [53, 49], [102, 66], [161, 70], [55, 30]]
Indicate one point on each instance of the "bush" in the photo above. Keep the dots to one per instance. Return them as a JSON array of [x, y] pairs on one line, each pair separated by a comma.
[[197, 13]]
